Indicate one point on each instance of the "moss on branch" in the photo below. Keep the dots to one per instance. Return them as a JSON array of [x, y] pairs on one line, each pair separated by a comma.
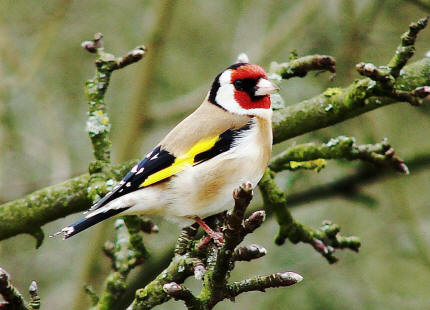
[[153, 294], [28, 214], [339, 148], [300, 67], [98, 125]]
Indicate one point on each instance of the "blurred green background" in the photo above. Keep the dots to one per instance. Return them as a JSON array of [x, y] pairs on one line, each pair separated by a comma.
[[43, 139]]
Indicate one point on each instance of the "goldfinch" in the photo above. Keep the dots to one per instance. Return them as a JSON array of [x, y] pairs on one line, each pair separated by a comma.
[[193, 171]]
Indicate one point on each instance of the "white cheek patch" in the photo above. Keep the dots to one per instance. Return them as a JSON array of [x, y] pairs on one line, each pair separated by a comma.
[[225, 94], [225, 98], [225, 78]]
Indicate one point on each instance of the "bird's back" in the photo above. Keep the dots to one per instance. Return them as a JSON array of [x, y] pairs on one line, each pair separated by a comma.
[[205, 122]]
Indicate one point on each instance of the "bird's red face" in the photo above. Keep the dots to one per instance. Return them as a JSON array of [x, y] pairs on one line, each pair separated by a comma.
[[245, 80], [243, 89]]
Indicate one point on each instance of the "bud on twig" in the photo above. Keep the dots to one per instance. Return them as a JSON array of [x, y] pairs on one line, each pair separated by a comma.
[[254, 221]]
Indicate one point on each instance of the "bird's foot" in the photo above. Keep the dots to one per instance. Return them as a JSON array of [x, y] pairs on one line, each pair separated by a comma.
[[216, 236]]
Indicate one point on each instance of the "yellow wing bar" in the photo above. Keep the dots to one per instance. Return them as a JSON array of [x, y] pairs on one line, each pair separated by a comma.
[[182, 162]]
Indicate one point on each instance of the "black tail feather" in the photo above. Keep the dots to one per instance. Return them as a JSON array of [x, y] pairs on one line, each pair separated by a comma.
[[87, 222]]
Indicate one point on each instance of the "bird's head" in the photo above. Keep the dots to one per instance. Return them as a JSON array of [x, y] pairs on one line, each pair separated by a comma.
[[243, 89]]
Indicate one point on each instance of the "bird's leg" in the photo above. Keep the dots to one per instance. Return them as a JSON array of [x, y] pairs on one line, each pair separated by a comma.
[[216, 236]]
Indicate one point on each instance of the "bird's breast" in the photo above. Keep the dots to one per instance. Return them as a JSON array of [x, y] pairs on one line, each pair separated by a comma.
[[206, 189]]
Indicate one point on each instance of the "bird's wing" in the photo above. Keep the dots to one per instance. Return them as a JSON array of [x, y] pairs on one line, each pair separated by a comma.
[[160, 164]]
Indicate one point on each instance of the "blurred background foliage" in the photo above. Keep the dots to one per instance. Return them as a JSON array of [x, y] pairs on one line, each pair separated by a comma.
[[43, 139]]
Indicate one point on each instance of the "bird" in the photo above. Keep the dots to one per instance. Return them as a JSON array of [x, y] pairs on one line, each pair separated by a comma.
[[192, 173]]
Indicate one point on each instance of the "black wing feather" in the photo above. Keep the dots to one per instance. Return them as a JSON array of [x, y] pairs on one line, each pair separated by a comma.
[[156, 161]]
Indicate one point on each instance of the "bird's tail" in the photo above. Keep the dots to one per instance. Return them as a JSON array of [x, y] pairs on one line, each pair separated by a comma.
[[88, 221]]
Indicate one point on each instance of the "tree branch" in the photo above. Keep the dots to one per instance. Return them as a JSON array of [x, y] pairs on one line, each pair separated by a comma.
[[261, 283], [349, 186], [98, 125], [153, 294], [28, 214], [406, 49], [180, 292], [300, 67], [325, 241], [127, 252], [339, 148], [128, 249]]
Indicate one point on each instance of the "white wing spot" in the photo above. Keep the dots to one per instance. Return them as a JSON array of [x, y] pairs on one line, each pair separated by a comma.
[[121, 190], [140, 171], [134, 169], [128, 184], [155, 157], [68, 230]]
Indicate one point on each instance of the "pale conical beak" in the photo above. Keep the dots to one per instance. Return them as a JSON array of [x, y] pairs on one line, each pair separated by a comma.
[[265, 87]]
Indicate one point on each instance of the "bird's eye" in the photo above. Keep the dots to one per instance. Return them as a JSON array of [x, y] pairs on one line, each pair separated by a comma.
[[238, 84]]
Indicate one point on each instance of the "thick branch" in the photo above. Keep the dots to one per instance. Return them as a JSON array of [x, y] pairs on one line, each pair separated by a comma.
[[339, 148], [29, 213], [339, 104]]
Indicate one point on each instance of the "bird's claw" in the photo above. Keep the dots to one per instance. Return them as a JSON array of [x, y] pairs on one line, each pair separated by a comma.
[[217, 237]]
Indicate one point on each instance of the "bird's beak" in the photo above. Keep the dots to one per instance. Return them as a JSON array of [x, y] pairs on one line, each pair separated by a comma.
[[265, 87]]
